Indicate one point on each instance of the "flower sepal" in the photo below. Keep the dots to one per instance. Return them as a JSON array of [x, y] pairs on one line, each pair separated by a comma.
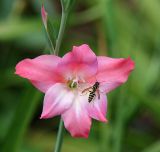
[[50, 29]]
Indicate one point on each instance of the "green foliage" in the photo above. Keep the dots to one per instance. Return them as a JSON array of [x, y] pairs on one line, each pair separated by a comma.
[[52, 34], [67, 4], [116, 28], [22, 118]]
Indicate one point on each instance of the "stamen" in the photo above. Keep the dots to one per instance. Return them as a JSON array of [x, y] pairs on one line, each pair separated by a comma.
[[72, 84]]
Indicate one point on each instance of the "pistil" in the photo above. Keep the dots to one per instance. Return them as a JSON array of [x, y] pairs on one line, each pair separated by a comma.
[[72, 84]]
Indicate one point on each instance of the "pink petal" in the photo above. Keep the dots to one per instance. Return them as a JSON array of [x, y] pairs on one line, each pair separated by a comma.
[[44, 16], [76, 118], [57, 100], [41, 71], [113, 72], [80, 61], [98, 107], [42, 86]]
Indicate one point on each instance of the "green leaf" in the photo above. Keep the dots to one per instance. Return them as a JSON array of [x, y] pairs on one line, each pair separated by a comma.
[[21, 120], [51, 33]]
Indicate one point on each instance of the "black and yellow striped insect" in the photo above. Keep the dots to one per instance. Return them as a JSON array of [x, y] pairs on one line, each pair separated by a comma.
[[92, 91]]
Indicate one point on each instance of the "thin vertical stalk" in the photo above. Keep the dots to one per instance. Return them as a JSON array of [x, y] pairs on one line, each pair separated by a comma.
[[52, 51], [59, 140], [61, 31], [59, 137]]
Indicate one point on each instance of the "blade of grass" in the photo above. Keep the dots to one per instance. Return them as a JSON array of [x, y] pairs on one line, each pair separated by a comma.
[[21, 120]]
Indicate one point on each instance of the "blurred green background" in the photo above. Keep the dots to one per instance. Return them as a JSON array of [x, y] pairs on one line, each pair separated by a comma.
[[116, 28]]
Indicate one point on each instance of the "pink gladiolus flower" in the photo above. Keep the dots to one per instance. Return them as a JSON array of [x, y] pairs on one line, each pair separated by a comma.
[[75, 85]]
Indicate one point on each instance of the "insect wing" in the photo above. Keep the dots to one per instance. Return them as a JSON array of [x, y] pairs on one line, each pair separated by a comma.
[[98, 93], [90, 89], [105, 87]]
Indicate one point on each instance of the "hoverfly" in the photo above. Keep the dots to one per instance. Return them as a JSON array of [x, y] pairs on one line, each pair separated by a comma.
[[92, 91]]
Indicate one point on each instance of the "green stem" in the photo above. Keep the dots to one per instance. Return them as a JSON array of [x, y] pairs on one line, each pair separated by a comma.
[[52, 51], [61, 31], [59, 140], [59, 137]]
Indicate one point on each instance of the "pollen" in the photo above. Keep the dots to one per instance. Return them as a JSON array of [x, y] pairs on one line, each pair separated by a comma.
[[72, 84]]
